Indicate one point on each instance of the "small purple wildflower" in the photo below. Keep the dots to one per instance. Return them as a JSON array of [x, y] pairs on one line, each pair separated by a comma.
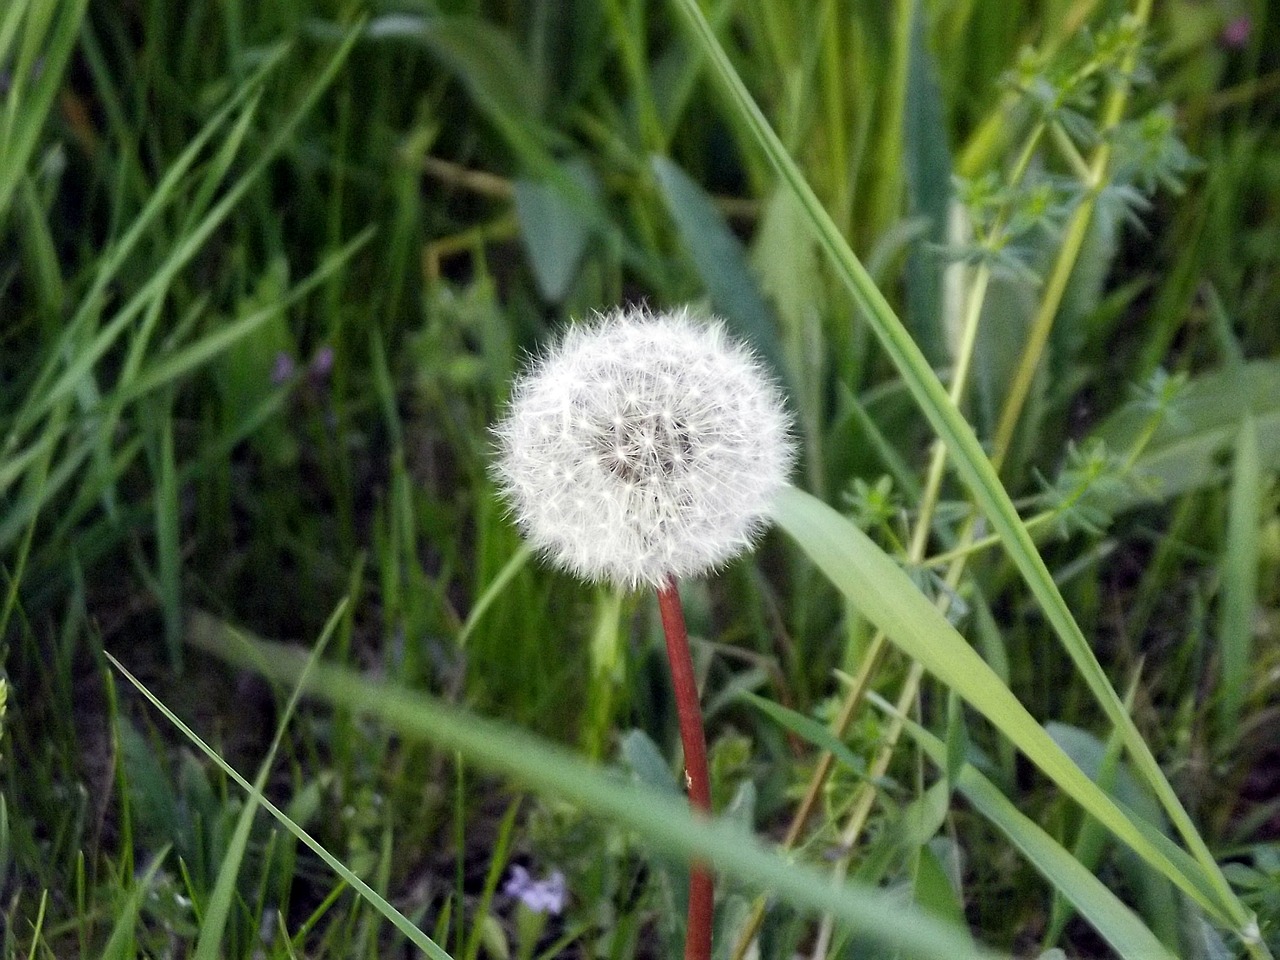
[[540, 896], [322, 363], [1236, 33], [283, 368]]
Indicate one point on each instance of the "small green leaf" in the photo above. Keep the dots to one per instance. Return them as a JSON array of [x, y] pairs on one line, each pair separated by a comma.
[[553, 229], [721, 261], [806, 728]]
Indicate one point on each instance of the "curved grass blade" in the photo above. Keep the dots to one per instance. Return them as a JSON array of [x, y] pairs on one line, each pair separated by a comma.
[[664, 821], [491, 593], [972, 464], [805, 727]]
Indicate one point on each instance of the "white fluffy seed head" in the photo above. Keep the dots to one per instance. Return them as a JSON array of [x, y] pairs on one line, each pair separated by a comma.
[[643, 446]]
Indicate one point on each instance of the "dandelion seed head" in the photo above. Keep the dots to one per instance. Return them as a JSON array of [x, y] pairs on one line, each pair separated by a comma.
[[643, 446]]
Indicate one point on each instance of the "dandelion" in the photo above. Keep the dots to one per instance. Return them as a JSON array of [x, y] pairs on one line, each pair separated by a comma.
[[642, 448]]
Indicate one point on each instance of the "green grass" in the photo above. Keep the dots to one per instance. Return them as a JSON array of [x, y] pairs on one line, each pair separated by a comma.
[[266, 272]]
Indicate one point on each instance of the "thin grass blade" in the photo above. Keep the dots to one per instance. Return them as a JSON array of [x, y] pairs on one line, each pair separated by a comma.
[[218, 909], [399, 920]]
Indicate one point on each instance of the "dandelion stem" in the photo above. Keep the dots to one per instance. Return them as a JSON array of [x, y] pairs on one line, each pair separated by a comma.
[[697, 943]]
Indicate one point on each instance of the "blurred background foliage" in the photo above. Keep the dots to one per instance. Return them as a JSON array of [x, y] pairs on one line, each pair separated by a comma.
[[266, 270]]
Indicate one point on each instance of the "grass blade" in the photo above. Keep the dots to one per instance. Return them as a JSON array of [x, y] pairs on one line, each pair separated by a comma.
[[121, 944], [24, 116], [805, 727], [168, 542], [1239, 568], [218, 909]]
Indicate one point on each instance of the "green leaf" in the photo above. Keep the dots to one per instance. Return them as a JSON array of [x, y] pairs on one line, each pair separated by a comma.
[[485, 58], [933, 889], [1239, 566], [1193, 448], [553, 229], [1089, 754], [721, 261], [647, 763], [806, 728], [928, 180]]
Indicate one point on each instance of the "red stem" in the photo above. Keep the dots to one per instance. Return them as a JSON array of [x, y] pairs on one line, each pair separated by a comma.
[[697, 943]]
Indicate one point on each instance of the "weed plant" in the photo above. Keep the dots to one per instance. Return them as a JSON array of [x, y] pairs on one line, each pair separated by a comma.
[[1008, 669]]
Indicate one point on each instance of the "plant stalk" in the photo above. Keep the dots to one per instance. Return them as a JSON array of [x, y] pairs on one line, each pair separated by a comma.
[[697, 943]]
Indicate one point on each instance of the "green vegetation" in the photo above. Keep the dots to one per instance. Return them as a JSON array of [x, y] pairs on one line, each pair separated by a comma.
[[280, 679]]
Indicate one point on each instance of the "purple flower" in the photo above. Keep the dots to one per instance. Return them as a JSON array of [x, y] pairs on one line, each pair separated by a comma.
[[283, 368], [540, 896], [1236, 33], [322, 363]]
